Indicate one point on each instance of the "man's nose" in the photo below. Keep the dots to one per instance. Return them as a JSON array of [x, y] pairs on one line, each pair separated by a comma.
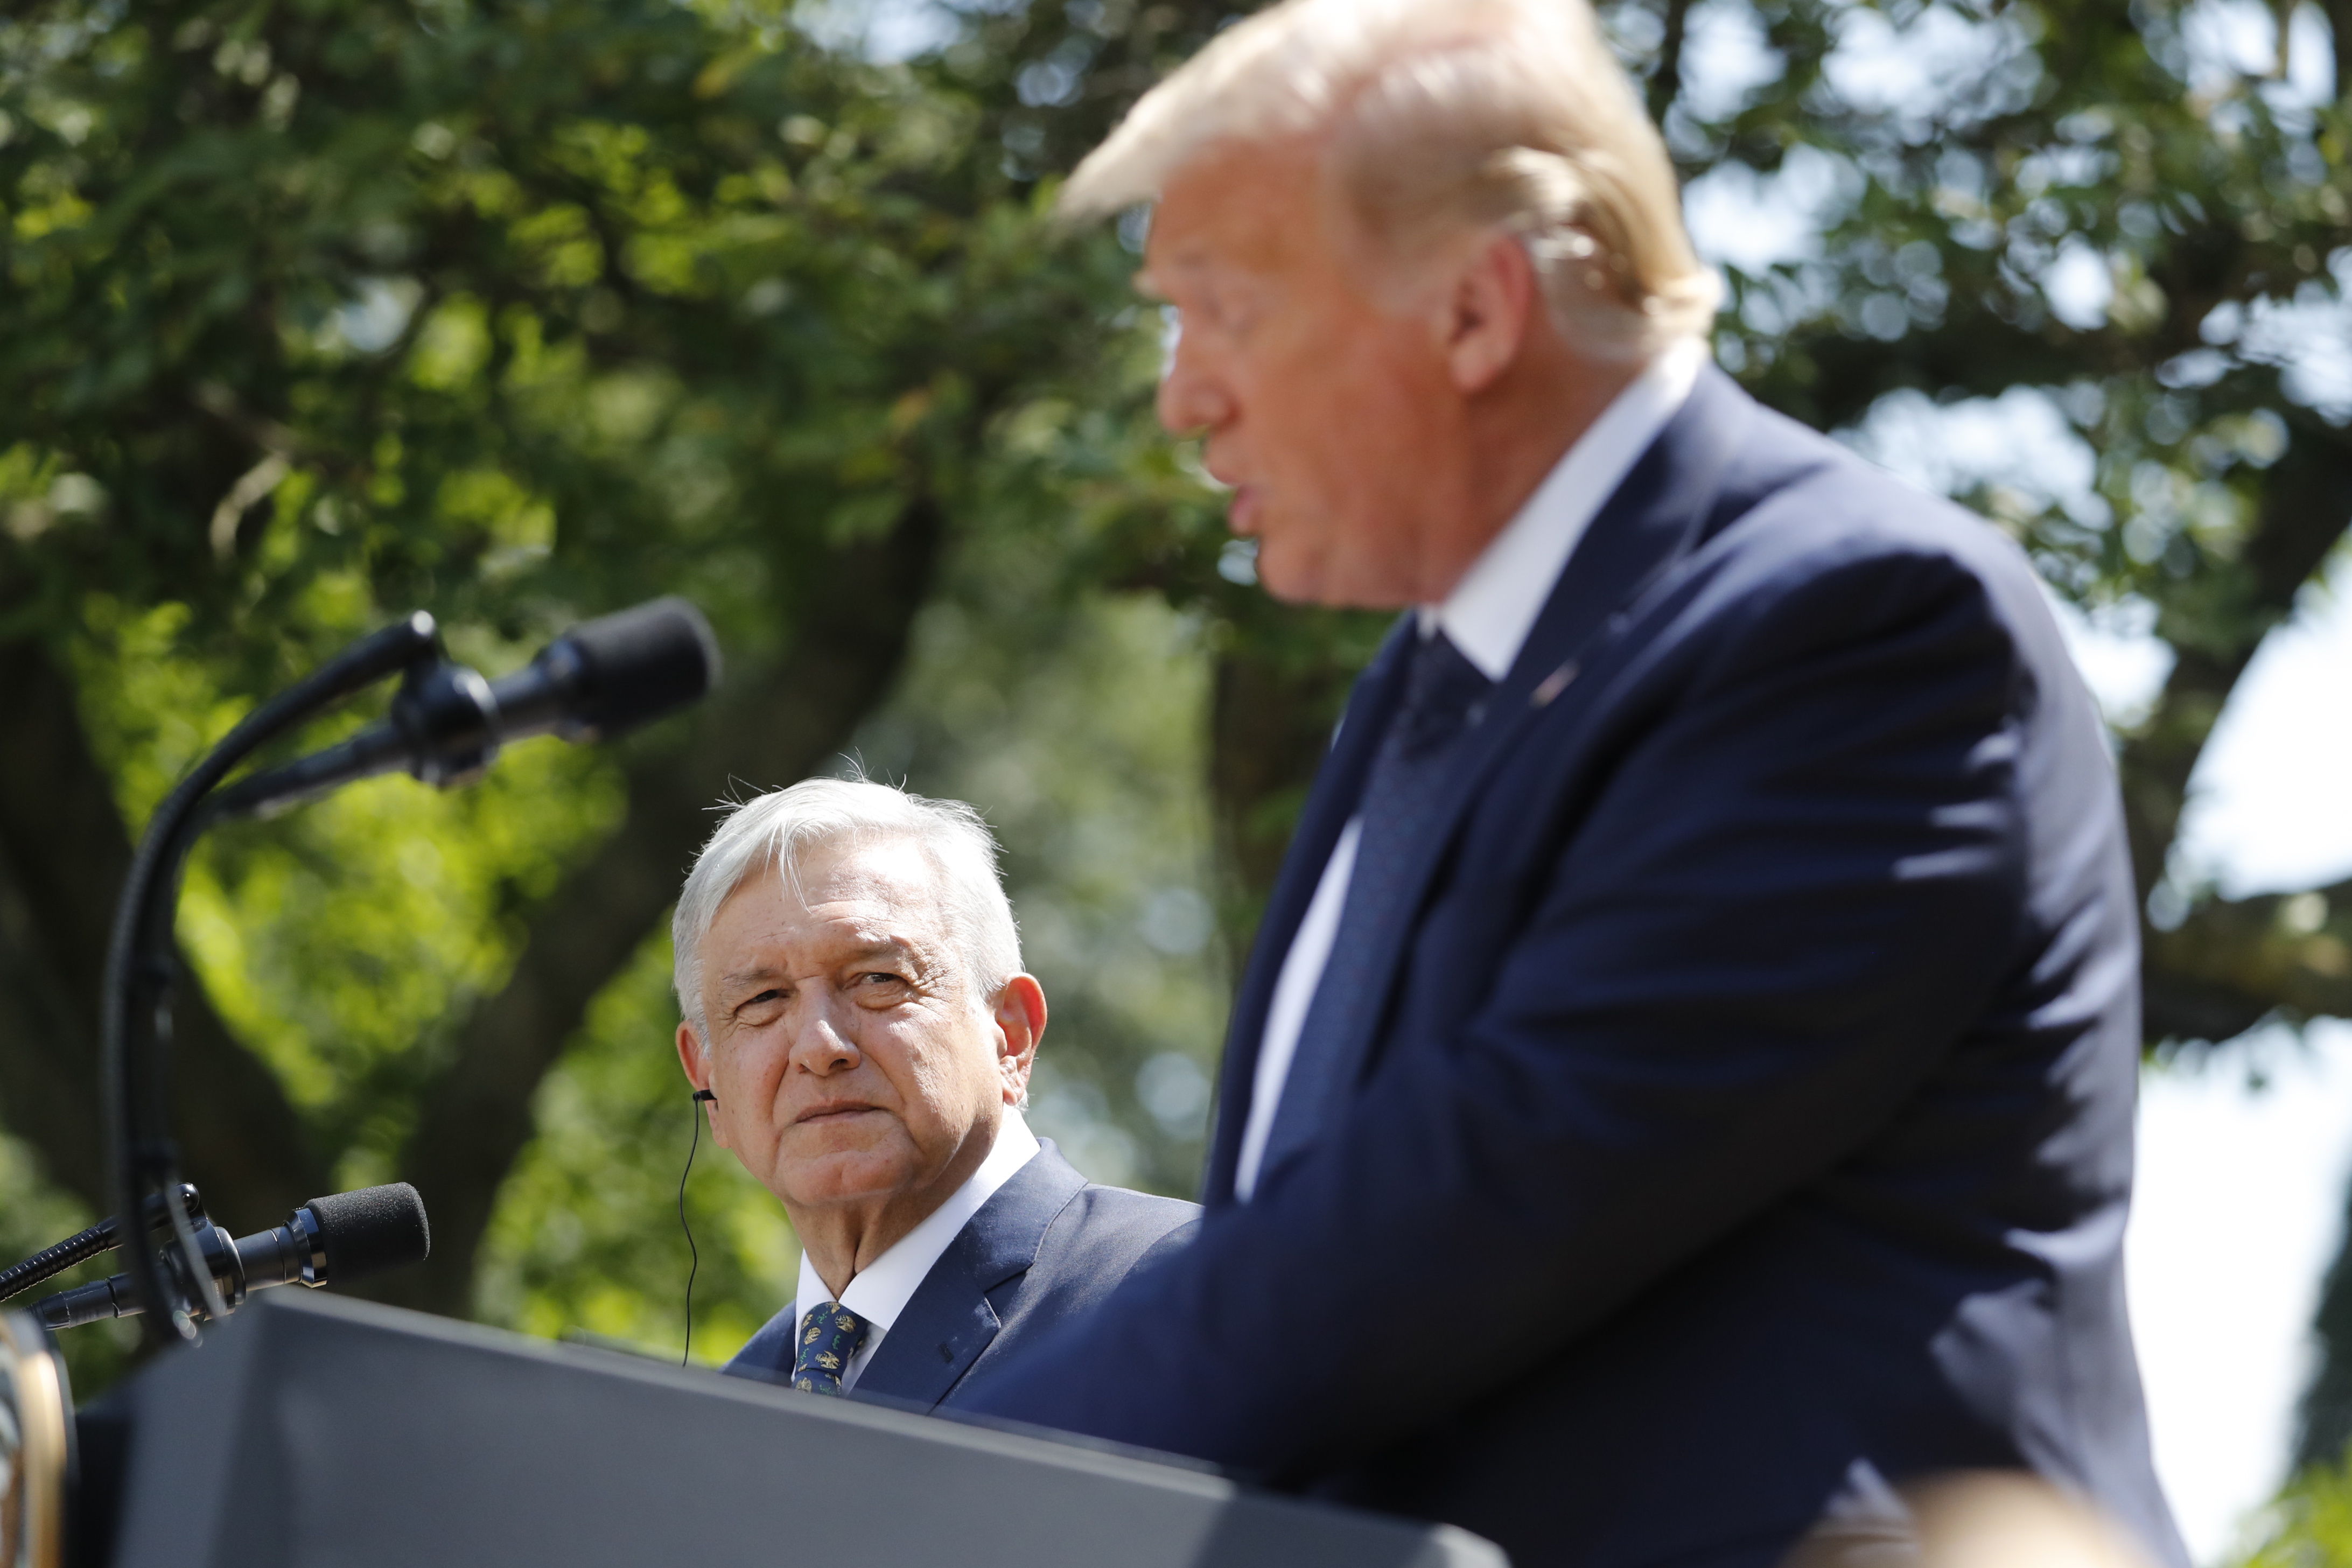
[[822, 1047], [1190, 398]]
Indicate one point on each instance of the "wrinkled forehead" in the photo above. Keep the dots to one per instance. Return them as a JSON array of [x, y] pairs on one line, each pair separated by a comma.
[[893, 869], [853, 891]]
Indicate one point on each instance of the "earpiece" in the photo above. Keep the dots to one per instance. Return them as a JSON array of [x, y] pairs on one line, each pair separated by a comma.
[[705, 1094]]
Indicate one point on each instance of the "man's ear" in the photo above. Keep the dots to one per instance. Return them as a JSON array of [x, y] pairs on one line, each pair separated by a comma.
[[697, 1063], [1487, 311], [1020, 1025]]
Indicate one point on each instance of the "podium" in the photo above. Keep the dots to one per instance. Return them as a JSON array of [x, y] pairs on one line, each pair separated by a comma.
[[317, 1432]]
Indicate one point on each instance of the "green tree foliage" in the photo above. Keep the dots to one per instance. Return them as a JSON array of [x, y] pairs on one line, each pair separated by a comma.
[[2310, 1524], [320, 312]]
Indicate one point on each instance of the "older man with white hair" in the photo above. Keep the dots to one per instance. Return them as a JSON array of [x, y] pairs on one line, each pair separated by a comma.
[[1683, 1091], [859, 1026]]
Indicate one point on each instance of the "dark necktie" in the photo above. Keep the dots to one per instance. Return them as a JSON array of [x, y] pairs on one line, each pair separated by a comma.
[[1445, 696], [830, 1335]]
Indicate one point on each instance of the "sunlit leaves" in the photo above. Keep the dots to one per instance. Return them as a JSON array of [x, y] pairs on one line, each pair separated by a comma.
[[517, 312]]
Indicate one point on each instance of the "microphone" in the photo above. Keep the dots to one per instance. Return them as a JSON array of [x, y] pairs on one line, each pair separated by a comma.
[[599, 679], [344, 1237]]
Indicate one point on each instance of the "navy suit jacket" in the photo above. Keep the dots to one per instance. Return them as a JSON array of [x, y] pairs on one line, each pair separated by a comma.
[[1047, 1245], [1747, 1122]]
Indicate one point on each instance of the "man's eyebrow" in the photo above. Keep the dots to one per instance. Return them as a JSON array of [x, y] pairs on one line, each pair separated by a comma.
[[884, 947], [868, 948]]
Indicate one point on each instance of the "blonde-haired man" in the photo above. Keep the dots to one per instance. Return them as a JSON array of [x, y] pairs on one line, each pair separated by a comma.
[[1684, 1087]]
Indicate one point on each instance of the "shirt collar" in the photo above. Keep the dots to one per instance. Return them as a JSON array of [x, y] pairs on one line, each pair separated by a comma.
[[884, 1287], [1491, 611]]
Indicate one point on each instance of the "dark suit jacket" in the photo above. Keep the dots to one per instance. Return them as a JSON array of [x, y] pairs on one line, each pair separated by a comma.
[[1748, 1121], [1047, 1245]]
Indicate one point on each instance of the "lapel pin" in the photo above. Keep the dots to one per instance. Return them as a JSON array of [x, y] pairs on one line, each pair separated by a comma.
[[1553, 685]]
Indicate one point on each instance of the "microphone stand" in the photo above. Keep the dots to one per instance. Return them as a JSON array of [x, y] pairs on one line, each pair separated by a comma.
[[136, 1004], [599, 679]]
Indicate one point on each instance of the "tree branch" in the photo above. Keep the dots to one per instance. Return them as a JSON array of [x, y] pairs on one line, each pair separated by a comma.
[[2305, 507], [2235, 962], [2339, 30], [1667, 76]]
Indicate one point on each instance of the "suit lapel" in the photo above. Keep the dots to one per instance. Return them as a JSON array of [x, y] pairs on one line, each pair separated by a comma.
[[1338, 783], [1657, 513], [1653, 518], [948, 1321]]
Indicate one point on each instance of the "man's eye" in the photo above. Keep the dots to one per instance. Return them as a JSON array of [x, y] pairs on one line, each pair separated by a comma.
[[1230, 312]]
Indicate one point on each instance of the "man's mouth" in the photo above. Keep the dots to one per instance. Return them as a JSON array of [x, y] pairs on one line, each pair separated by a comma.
[[1241, 513], [831, 1111]]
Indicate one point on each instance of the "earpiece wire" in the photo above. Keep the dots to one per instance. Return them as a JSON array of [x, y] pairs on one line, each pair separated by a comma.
[[694, 1254]]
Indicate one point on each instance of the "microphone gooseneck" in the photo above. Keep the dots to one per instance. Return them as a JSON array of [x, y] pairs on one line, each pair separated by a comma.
[[104, 1237], [341, 1237], [602, 678], [447, 723]]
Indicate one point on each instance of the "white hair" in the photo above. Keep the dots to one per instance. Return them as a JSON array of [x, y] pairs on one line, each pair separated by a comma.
[[782, 827], [1446, 117]]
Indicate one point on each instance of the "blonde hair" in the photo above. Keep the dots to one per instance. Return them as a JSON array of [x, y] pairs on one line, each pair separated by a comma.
[[1446, 117]]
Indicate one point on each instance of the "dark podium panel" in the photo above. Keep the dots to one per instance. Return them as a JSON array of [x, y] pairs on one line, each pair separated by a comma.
[[311, 1431]]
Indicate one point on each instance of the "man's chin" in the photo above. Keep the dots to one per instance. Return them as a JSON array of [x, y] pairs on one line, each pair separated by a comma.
[[1295, 576], [1316, 577], [839, 1177]]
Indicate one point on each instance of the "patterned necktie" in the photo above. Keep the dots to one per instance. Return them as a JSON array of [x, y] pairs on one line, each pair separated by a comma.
[[830, 1335], [1445, 696]]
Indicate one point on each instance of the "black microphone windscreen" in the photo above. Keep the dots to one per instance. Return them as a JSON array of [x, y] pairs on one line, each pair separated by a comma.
[[640, 663], [370, 1230]]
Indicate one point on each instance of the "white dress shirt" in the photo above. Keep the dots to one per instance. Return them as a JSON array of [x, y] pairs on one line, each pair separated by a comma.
[[884, 1287], [1488, 616]]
